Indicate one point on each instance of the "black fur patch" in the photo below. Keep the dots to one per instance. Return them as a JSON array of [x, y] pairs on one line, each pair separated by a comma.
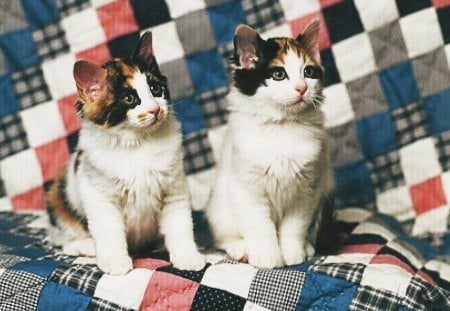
[[77, 160]]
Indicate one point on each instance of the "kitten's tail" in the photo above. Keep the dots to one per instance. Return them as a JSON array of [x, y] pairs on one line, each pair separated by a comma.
[[328, 238]]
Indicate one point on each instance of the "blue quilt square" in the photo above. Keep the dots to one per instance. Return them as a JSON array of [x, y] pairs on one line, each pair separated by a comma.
[[437, 108], [68, 298], [207, 71], [40, 13], [225, 18], [188, 112], [353, 184], [8, 100], [376, 134], [19, 50], [321, 292], [42, 268], [399, 85]]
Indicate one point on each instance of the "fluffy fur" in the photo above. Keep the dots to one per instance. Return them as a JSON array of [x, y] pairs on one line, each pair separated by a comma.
[[125, 188], [274, 169]]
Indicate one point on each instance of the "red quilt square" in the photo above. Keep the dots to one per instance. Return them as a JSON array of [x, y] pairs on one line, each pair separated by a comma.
[[52, 157], [33, 199], [117, 19], [98, 54], [169, 292], [150, 263], [440, 3], [392, 260], [428, 195], [299, 24], [327, 3], [69, 113]]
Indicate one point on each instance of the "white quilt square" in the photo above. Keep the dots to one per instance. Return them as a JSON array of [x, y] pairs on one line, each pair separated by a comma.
[[167, 45], [375, 228], [250, 306], [179, 8], [396, 202], [21, 172], [295, 9], [445, 177], [98, 3], [234, 278], [337, 107], [434, 220], [59, 77], [387, 277], [283, 30], [42, 123], [5, 205], [419, 161], [83, 30], [354, 57], [447, 53], [374, 14], [421, 32]]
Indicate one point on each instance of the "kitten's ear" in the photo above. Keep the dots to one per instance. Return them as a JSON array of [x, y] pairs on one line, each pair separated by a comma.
[[247, 44], [144, 49], [310, 38], [90, 79]]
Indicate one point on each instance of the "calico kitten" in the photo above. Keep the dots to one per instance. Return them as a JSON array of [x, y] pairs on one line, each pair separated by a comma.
[[125, 188], [274, 170]]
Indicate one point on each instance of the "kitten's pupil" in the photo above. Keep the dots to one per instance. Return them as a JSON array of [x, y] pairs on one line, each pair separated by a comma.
[[278, 74]]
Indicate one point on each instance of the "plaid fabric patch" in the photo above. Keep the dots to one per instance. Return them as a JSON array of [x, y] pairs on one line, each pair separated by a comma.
[[97, 304], [7, 261], [263, 15], [368, 298], [410, 123], [198, 152], [69, 7], [30, 86], [50, 41], [276, 289], [413, 295], [442, 143], [386, 171], [350, 272], [214, 106], [13, 138], [20, 290], [81, 277]]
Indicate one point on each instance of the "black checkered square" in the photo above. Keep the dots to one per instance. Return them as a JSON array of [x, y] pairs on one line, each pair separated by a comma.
[[410, 123], [197, 152], [69, 7], [386, 171], [351, 272], [81, 277], [208, 298], [50, 41], [276, 289], [369, 298], [30, 86], [20, 290], [442, 143], [98, 304], [214, 106], [13, 138], [263, 15]]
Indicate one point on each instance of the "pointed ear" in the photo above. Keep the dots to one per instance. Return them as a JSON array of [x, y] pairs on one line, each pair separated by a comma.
[[144, 49], [90, 79], [247, 45], [310, 38]]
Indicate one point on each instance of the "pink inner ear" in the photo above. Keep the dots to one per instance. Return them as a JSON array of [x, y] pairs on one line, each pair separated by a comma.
[[144, 50], [245, 45], [90, 78]]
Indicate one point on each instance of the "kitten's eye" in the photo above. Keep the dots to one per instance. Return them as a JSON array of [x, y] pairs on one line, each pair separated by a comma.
[[156, 89], [129, 99], [278, 74], [311, 72]]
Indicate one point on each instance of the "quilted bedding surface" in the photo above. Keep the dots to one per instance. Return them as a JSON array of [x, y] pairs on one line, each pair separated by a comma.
[[387, 85]]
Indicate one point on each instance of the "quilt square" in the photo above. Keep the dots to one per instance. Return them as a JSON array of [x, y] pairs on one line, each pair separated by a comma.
[[31, 200], [123, 46], [367, 298], [440, 3], [438, 110], [386, 171], [13, 138], [442, 143], [195, 276], [53, 157], [50, 41], [69, 7], [332, 74], [432, 224], [98, 304], [198, 152], [344, 146], [167, 45], [337, 106], [59, 77], [40, 14], [297, 26], [14, 17], [410, 7], [19, 50], [20, 290], [195, 32], [222, 300], [83, 278], [396, 202], [350, 272], [150, 13], [347, 25], [98, 54], [187, 111], [388, 45], [177, 73], [224, 18], [444, 22], [375, 14], [263, 15], [117, 19], [399, 85], [178, 8], [73, 300], [30, 87], [410, 123], [67, 110], [214, 106], [8, 100], [7, 260], [293, 10], [428, 195]]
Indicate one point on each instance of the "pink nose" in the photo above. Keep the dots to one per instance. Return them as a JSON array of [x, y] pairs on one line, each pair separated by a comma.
[[154, 110], [301, 88]]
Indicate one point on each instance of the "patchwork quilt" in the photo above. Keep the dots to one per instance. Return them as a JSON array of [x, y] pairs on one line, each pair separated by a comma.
[[387, 110]]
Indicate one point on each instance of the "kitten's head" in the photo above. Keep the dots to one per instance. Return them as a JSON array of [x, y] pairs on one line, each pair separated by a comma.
[[280, 74], [130, 93]]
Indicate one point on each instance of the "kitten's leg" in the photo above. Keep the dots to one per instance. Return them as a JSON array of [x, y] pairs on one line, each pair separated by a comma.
[[177, 228], [293, 233], [85, 247]]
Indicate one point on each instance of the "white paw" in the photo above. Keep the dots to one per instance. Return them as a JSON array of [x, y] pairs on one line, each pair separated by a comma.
[[269, 258], [80, 247], [193, 261], [115, 265], [298, 254], [235, 249]]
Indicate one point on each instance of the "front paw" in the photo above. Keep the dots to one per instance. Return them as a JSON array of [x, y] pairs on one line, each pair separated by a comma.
[[269, 258], [298, 254], [193, 261], [115, 265]]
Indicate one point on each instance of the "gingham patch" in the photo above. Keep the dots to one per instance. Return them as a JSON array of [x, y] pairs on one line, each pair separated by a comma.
[[69, 7], [386, 172], [410, 123], [20, 290], [30, 86], [347, 271], [7, 260], [263, 15], [12, 136], [198, 152], [50, 41], [276, 289], [368, 298], [214, 106], [442, 143], [81, 277], [97, 304]]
